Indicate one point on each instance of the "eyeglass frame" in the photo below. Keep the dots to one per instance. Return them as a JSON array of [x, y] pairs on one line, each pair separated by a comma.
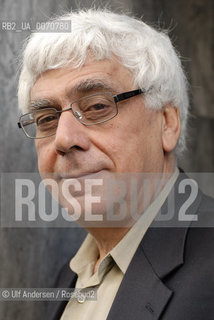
[[117, 98]]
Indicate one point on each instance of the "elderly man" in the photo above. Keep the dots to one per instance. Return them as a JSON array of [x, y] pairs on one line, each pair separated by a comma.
[[108, 102]]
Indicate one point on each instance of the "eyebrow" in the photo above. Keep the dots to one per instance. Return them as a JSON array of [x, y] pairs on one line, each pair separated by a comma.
[[42, 103], [84, 87], [88, 85]]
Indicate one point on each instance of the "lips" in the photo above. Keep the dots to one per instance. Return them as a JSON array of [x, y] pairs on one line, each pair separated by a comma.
[[86, 174]]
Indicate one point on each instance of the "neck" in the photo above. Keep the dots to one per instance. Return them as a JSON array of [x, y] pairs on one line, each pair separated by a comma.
[[108, 237]]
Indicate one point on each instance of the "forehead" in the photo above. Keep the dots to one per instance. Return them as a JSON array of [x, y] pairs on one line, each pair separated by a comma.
[[108, 75]]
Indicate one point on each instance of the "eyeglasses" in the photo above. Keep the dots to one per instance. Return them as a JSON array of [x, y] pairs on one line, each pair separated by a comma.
[[94, 109]]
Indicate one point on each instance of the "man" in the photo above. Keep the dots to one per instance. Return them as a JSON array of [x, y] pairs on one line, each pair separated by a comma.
[[108, 102]]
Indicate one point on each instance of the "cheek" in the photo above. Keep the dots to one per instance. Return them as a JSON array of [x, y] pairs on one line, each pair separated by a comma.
[[125, 146], [137, 144], [46, 156]]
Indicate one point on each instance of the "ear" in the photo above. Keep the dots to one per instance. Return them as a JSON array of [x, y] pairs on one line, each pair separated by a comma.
[[170, 128]]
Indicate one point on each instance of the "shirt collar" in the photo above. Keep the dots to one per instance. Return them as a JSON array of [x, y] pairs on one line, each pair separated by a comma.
[[124, 251]]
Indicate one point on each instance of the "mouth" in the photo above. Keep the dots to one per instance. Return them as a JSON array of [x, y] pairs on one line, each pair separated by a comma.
[[80, 184], [93, 174]]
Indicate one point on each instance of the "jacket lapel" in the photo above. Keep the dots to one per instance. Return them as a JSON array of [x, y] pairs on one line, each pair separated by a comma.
[[67, 279], [142, 293]]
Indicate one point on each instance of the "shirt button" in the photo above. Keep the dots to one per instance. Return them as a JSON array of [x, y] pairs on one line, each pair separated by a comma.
[[81, 298]]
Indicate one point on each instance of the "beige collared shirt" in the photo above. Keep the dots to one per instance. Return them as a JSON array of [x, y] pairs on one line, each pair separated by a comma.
[[113, 266]]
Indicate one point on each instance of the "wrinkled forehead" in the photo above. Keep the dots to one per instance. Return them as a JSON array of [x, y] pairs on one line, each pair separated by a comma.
[[104, 75]]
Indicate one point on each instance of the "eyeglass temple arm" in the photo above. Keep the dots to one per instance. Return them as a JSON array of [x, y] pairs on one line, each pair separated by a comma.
[[129, 94], [25, 124]]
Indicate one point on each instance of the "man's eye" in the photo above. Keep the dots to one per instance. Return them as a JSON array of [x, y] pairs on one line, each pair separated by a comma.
[[97, 107], [45, 119]]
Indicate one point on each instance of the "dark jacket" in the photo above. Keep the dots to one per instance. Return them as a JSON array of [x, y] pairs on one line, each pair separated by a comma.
[[171, 276]]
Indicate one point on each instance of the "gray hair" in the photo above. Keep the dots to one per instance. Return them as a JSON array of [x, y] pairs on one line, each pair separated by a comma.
[[146, 52]]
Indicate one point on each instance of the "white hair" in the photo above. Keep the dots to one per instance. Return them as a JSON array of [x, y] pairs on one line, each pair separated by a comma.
[[146, 52]]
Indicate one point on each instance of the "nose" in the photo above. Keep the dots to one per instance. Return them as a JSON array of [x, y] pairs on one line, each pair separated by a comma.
[[70, 134]]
